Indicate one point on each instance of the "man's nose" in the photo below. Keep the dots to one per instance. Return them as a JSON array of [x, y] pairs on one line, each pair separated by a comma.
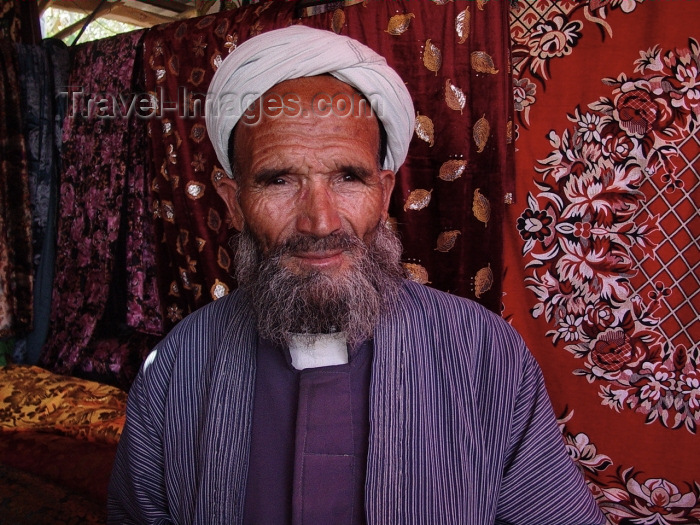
[[319, 213]]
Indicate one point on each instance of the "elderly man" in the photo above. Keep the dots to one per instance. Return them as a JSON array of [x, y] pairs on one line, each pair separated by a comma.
[[326, 389]]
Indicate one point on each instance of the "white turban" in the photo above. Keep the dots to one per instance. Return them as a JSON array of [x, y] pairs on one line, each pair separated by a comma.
[[299, 51]]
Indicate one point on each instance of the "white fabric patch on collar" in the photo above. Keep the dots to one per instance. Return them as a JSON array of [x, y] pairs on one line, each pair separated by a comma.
[[316, 350]]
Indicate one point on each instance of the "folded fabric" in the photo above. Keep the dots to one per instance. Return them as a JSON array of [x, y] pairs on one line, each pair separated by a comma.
[[32, 398]]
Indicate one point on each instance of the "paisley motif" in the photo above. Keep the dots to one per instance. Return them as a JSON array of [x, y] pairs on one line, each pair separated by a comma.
[[424, 129], [223, 259], [462, 25], [481, 131], [218, 290], [416, 272], [195, 190], [483, 63], [417, 200], [454, 97], [432, 57], [483, 280], [452, 169], [446, 240], [481, 207], [338, 21], [398, 24]]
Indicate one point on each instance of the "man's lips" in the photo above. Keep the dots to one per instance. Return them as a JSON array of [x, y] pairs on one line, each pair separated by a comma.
[[319, 258]]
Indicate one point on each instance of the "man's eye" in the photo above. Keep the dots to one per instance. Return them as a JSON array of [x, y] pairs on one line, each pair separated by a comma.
[[350, 177], [277, 181]]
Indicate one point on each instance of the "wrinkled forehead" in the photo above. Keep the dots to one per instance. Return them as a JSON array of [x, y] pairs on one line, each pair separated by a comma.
[[308, 110]]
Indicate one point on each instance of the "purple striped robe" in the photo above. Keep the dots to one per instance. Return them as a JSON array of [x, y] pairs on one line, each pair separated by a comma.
[[461, 428]]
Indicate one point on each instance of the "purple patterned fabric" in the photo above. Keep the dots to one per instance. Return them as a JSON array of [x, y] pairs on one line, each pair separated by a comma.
[[102, 224]]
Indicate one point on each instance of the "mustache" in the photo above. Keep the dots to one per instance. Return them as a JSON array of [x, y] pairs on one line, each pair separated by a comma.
[[309, 243]]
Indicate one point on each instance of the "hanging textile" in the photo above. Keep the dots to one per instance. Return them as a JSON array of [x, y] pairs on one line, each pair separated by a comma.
[[105, 252], [448, 203], [19, 21], [43, 75], [604, 235], [16, 271], [10, 21]]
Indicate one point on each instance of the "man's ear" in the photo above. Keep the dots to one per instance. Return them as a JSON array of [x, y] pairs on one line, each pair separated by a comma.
[[387, 180], [228, 190]]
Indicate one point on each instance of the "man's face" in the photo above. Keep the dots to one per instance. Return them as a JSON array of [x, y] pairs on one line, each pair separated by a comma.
[[309, 172]]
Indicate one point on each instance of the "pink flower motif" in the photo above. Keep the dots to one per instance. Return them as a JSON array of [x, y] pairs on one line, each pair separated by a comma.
[[686, 80], [523, 93], [636, 112], [661, 496], [627, 6], [588, 125], [617, 147], [689, 387], [568, 327], [554, 38], [659, 292], [656, 382], [584, 453], [614, 350], [535, 224], [599, 316]]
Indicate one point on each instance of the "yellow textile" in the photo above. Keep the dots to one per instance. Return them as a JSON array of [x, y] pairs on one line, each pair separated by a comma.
[[35, 399]]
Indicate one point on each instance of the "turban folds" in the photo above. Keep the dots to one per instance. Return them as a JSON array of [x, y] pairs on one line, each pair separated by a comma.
[[299, 51]]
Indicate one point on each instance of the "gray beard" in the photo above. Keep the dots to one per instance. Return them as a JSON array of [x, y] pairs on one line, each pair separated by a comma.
[[313, 302]]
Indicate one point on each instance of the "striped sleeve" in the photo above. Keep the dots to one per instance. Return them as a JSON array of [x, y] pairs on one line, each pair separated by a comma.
[[541, 485], [137, 487]]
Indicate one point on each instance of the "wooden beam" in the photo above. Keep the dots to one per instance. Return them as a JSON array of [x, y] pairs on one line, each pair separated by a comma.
[[170, 5], [203, 6], [67, 31], [43, 5], [120, 12], [77, 26], [130, 13], [76, 6], [137, 17], [190, 13]]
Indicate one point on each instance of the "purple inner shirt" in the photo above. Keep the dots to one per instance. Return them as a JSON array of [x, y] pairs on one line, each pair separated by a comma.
[[308, 451]]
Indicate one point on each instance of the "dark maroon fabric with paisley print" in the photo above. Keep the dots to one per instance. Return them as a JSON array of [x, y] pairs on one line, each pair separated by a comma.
[[448, 203]]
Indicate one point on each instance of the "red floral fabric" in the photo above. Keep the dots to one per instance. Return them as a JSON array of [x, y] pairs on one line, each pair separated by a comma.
[[604, 236], [448, 204]]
